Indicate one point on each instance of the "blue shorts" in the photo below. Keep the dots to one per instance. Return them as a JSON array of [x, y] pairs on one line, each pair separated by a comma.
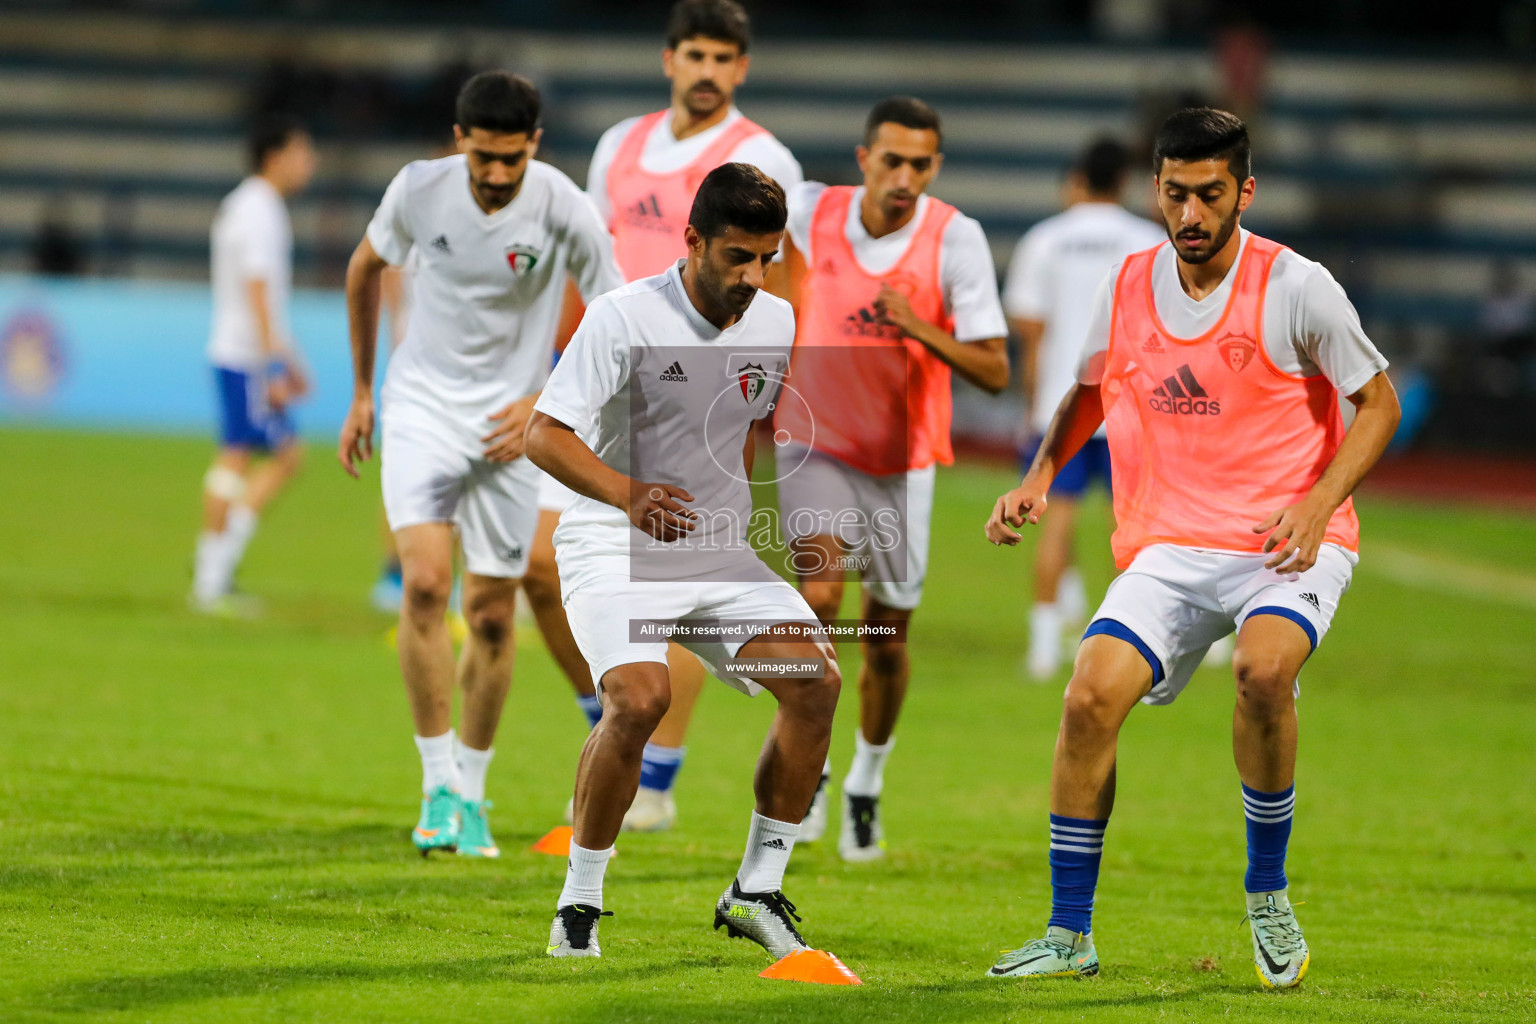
[[1089, 464], [244, 419]]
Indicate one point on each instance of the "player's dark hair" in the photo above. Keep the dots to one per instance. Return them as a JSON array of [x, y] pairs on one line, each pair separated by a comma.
[[270, 135], [907, 111], [498, 101], [725, 21], [738, 196], [1205, 133], [1103, 166]]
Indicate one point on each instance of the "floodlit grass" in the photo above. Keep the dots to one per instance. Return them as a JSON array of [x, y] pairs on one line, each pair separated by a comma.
[[207, 821]]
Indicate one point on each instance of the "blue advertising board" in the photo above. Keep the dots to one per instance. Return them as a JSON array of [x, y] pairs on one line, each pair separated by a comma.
[[111, 354]]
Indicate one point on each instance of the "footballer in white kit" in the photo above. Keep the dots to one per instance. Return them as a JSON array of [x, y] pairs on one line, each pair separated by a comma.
[[642, 178], [256, 367], [496, 237], [1055, 271], [649, 417]]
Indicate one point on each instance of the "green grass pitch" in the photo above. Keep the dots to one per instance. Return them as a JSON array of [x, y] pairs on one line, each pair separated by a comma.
[[207, 821]]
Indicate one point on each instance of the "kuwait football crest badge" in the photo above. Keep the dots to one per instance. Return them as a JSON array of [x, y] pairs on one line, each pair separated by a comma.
[[1238, 351], [752, 378], [522, 259]]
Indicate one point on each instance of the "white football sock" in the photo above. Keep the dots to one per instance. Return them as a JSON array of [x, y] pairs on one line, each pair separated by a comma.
[[584, 877], [437, 764], [239, 526], [1044, 639], [769, 844], [866, 775], [207, 581], [473, 764], [1071, 595]]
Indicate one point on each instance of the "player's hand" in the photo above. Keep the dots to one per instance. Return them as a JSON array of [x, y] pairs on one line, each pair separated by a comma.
[[1024, 504], [356, 434], [895, 309], [1298, 532], [509, 440], [297, 376], [657, 510], [279, 391]]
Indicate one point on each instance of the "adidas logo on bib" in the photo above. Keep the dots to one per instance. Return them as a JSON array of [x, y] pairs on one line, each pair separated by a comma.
[[1182, 395]]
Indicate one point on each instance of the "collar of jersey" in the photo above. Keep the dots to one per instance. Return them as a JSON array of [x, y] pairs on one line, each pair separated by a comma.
[[705, 330]]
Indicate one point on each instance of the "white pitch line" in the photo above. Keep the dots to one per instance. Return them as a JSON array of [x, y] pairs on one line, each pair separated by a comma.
[[1438, 572]]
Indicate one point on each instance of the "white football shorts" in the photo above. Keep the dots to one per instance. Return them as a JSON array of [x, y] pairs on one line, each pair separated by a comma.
[[883, 522], [600, 611], [432, 474], [554, 496], [1173, 602]]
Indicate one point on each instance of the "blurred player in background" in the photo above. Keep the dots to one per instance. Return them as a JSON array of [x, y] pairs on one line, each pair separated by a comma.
[[644, 173], [895, 289], [496, 235], [660, 535], [1217, 362], [1052, 278], [257, 371]]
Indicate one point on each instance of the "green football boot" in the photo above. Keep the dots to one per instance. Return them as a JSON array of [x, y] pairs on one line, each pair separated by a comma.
[[475, 830], [1280, 954], [1061, 954], [438, 828]]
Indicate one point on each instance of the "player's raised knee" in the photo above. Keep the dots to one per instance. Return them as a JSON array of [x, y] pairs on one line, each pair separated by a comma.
[[490, 620], [426, 590], [1091, 702], [638, 702], [1265, 682]]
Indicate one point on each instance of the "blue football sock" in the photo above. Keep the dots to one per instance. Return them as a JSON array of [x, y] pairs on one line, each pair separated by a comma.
[[1269, 829], [1077, 845], [592, 708], [659, 765]]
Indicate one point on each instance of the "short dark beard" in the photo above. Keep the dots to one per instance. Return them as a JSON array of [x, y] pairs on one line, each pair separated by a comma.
[[1218, 243]]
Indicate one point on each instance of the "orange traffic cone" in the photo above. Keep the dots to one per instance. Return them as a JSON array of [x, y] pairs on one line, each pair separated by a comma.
[[816, 966], [556, 843]]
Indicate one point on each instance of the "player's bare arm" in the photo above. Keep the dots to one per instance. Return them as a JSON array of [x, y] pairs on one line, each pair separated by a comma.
[[1031, 333], [290, 384], [983, 363], [364, 271], [654, 508], [1298, 529], [1079, 415]]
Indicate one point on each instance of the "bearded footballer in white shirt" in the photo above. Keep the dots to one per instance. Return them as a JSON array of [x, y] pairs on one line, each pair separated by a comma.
[[497, 235], [649, 417]]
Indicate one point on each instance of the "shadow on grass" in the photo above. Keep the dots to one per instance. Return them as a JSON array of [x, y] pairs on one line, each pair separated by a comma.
[[145, 991], [522, 976]]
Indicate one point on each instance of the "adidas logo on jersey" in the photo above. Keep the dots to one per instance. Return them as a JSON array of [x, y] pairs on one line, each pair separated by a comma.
[[674, 372], [867, 322], [440, 243], [645, 214], [1311, 599], [1182, 395]]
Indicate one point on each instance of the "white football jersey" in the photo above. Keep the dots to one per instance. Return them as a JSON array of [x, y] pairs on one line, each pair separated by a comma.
[[251, 241], [663, 396], [486, 289], [1052, 277]]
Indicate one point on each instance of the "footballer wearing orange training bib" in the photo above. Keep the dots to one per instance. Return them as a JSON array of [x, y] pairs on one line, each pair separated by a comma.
[[1215, 362]]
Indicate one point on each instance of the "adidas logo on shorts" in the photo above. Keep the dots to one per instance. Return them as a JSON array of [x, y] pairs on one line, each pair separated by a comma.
[[1311, 599], [674, 372]]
